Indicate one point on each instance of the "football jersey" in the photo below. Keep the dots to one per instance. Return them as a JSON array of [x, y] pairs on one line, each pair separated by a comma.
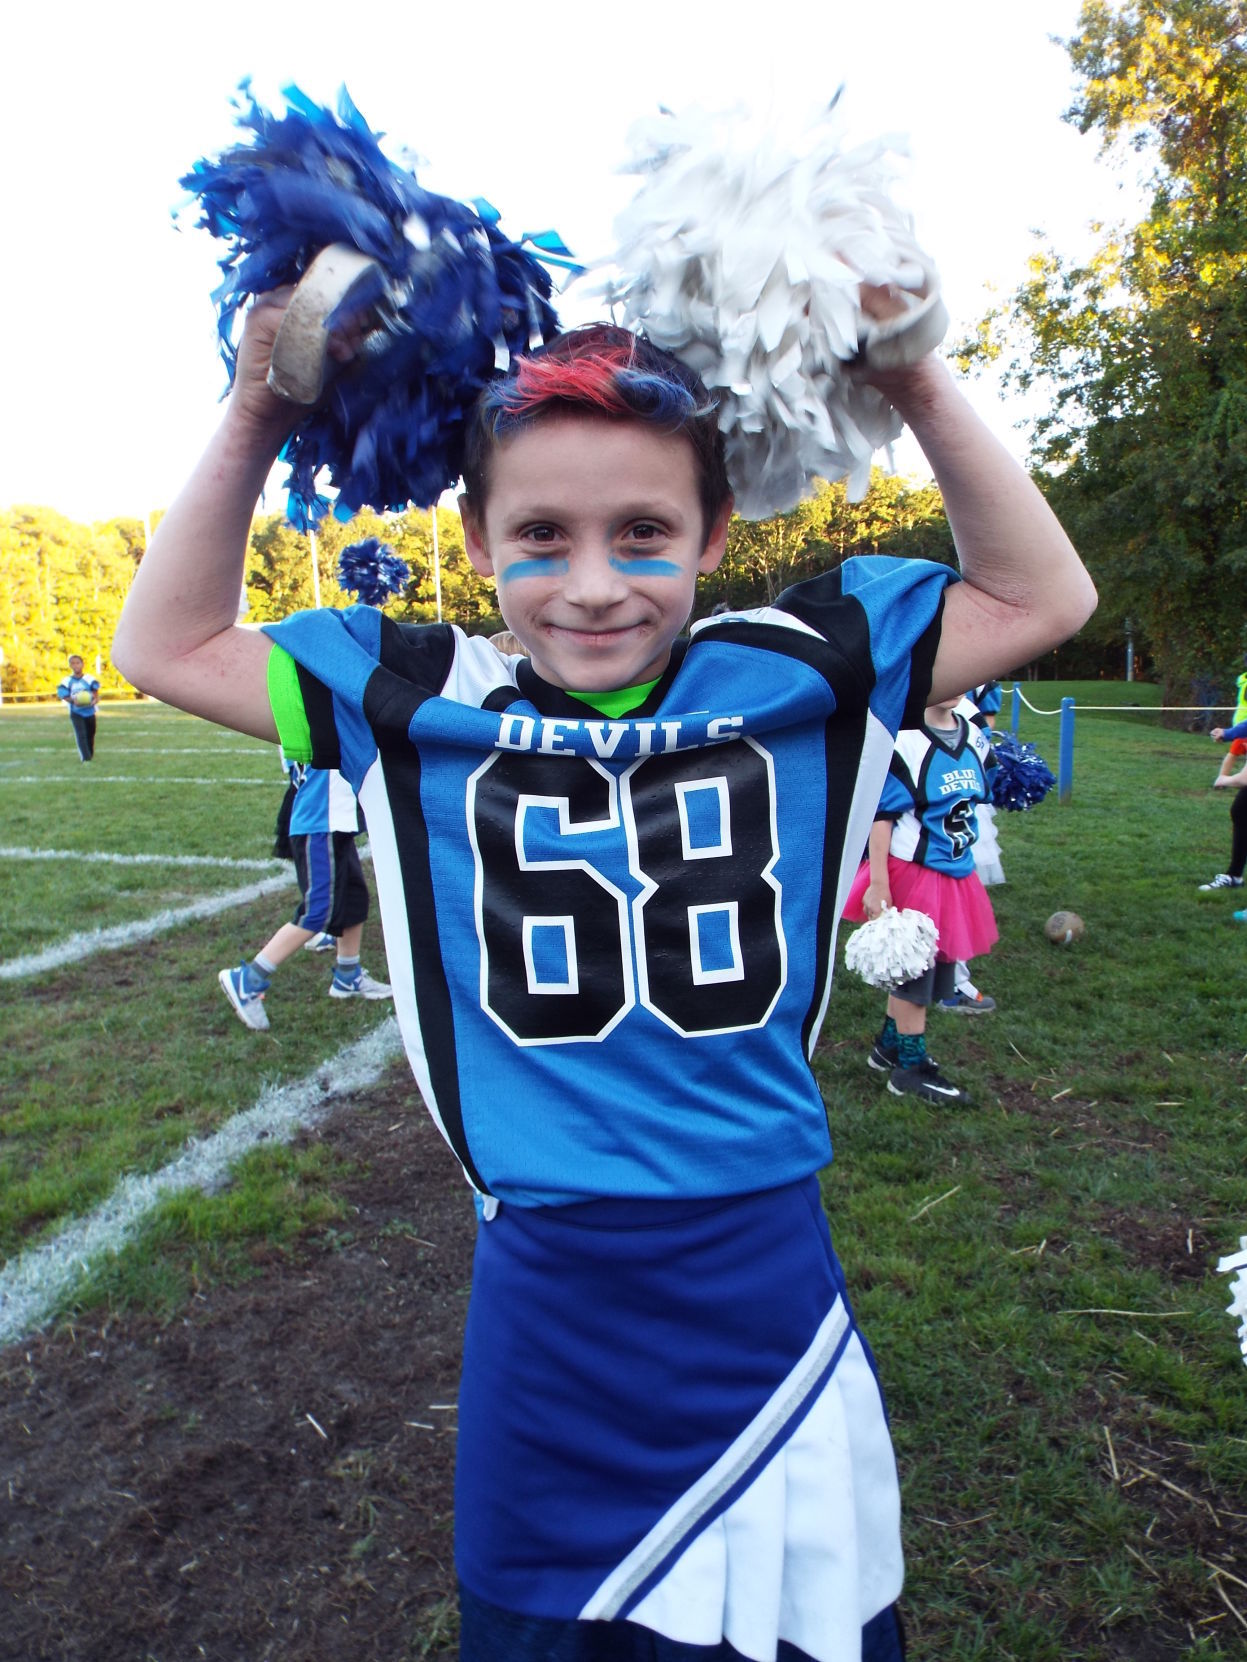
[[323, 801], [73, 684], [934, 783], [611, 940], [988, 698]]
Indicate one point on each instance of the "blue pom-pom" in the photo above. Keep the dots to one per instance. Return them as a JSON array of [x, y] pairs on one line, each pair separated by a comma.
[[373, 570], [1021, 777], [460, 297]]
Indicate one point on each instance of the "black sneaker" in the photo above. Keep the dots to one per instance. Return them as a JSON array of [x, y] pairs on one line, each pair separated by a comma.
[[883, 1058], [927, 1082]]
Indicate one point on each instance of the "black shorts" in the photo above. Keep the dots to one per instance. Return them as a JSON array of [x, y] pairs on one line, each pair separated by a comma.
[[332, 893]]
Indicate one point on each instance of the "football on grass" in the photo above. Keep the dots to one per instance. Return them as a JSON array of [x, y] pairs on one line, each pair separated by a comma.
[[1063, 928]]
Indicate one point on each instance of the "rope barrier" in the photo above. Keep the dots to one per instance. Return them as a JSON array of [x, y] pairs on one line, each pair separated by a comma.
[[1148, 709]]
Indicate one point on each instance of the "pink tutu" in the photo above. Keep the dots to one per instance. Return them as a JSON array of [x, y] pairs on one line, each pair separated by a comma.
[[958, 906]]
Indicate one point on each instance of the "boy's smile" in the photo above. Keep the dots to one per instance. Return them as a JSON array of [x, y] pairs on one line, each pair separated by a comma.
[[593, 529]]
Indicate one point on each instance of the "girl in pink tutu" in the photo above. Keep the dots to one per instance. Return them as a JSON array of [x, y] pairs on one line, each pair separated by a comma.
[[921, 856]]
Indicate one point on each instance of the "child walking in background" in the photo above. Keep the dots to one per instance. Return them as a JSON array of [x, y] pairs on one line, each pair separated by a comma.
[[333, 897], [81, 692], [921, 856]]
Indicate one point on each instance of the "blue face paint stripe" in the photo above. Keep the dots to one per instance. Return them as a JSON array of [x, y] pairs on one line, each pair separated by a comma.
[[646, 568], [535, 566]]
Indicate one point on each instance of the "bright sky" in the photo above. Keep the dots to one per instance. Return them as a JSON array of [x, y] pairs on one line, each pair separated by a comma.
[[111, 369]]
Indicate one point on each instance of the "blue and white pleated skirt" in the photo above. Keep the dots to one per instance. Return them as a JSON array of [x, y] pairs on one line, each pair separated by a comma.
[[672, 1442]]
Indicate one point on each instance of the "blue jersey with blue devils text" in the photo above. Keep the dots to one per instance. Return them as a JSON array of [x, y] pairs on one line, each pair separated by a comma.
[[934, 784], [611, 940]]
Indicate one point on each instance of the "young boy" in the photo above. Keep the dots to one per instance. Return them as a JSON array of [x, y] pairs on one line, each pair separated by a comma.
[[610, 876], [333, 898], [81, 692]]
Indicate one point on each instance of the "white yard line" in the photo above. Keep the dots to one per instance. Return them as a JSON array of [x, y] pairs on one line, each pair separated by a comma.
[[222, 860], [32, 1284], [272, 784], [154, 750], [90, 941]]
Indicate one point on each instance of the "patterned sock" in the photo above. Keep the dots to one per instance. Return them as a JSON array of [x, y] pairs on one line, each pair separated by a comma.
[[888, 1036], [913, 1049]]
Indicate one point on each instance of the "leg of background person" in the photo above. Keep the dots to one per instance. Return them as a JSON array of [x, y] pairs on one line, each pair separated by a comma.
[[82, 738], [1238, 842]]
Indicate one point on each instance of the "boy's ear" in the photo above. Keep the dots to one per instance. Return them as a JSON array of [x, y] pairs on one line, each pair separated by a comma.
[[474, 539], [716, 540]]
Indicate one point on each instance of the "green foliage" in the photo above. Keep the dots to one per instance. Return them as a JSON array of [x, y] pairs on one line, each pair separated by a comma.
[[1142, 348], [62, 585]]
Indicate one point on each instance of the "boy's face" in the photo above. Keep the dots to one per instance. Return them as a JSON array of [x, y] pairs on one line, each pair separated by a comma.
[[593, 531], [75, 666]]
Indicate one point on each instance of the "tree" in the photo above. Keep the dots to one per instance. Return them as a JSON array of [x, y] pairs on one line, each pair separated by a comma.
[[1142, 348]]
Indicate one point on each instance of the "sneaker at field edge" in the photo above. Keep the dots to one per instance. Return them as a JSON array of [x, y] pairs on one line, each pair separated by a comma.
[[1222, 880], [1240, 917], [248, 1007], [928, 1083], [883, 1058], [967, 1004], [321, 943], [362, 987]]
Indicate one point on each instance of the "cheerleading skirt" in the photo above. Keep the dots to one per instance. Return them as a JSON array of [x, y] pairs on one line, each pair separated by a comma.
[[672, 1443], [958, 906]]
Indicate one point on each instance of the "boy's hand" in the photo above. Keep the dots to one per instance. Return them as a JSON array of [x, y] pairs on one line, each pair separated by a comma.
[[900, 327], [1217, 733], [252, 401]]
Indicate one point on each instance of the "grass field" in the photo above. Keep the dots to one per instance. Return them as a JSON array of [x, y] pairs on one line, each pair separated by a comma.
[[1037, 1274]]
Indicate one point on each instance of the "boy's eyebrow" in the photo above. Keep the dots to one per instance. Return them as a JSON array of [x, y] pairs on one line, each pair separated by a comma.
[[650, 508]]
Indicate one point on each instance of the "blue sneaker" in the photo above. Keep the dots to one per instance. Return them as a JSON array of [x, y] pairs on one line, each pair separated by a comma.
[[248, 1002], [361, 985], [321, 943], [967, 1002]]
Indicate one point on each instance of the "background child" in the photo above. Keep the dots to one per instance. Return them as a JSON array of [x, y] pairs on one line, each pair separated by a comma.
[[81, 692], [1238, 746], [981, 707], [333, 897], [920, 856]]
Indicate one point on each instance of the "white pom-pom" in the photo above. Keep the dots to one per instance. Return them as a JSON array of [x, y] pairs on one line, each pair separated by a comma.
[[744, 255], [1237, 1306], [895, 947]]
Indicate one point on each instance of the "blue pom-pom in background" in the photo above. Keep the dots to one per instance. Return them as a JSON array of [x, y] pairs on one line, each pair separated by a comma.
[[373, 571], [1021, 777], [457, 297]]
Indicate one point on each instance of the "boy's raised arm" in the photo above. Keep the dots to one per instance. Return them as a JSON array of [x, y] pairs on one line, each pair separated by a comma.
[[178, 638], [1025, 590]]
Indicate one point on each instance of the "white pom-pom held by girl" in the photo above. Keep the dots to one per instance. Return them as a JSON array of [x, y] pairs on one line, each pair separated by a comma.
[[896, 947]]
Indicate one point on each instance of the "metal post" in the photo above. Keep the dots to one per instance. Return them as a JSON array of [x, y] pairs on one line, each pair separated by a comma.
[[1065, 768], [437, 564], [1016, 714]]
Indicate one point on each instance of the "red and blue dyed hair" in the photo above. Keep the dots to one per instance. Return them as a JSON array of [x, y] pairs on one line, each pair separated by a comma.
[[605, 371]]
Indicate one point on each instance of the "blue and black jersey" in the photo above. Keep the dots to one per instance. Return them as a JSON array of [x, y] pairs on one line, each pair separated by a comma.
[[611, 940], [935, 782]]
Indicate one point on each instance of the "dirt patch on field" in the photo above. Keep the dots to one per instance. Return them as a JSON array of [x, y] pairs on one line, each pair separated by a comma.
[[270, 1476]]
